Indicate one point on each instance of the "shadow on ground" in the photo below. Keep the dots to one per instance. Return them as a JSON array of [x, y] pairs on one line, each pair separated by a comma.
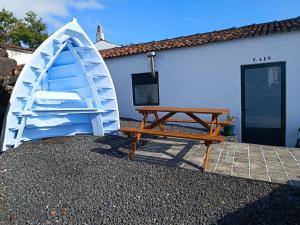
[[279, 207], [152, 152], [295, 182]]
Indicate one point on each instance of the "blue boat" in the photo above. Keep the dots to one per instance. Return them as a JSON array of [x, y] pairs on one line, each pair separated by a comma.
[[65, 89]]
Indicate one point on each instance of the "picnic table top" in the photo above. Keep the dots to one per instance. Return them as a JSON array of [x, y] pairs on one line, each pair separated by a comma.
[[184, 110]]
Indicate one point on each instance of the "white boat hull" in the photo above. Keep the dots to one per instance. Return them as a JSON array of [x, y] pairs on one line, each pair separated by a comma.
[[65, 89]]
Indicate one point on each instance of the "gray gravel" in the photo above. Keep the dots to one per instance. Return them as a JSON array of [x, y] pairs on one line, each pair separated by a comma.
[[86, 180]]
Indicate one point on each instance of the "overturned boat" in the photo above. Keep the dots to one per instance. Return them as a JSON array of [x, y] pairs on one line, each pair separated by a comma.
[[65, 89]]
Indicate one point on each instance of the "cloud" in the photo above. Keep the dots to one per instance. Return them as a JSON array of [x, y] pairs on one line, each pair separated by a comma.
[[88, 4], [50, 10]]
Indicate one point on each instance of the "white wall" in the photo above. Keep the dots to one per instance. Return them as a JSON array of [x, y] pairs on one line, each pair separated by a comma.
[[210, 75], [20, 57]]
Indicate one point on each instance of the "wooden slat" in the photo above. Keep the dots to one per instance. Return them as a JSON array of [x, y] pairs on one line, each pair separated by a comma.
[[217, 111], [204, 137], [198, 120], [213, 122], [161, 120], [225, 122]]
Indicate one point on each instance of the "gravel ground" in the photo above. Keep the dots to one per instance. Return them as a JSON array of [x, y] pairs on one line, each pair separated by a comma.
[[86, 180]]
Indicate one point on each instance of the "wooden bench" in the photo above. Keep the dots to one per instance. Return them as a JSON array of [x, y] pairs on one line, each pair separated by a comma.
[[203, 137], [225, 122]]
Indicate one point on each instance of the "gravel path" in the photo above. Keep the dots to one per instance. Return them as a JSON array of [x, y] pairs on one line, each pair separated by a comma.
[[85, 180]]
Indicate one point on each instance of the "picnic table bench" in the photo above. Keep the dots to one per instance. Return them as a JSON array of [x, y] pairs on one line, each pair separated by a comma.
[[212, 126]]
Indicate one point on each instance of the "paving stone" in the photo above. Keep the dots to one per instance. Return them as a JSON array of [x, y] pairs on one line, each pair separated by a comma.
[[241, 174], [267, 147], [197, 160], [277, 175], [258, 172], [273, 162], [230, 154], [240, 155], [293, 172], [172, 152], [255, 153], [187, 166], [240, 170], [283, 153], [228, 159], [240, 164], [291, 165], [270, 156], [224, 167], [257, 166], [257, 162], [279, 148], [295, 151], [210, 160], [260, 177], [225, 162], [254, 147], [276, 169], [282, 180], [213, 156], [225, 172], [297, 158], [241, 149], [288, 160], [241, 160], [211, 167]]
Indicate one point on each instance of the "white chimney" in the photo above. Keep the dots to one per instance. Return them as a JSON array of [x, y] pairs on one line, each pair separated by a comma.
[[99, 34]]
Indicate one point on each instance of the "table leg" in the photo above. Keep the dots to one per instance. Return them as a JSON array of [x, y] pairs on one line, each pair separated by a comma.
[[160, 123], [142, 125], [206, 158], [212, 124], [137, 137], [133, 148]]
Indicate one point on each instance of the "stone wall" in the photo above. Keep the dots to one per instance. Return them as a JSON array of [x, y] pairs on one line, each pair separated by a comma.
[[8, 75]]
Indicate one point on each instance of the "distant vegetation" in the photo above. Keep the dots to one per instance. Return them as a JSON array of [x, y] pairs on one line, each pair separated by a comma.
[[29, 31]]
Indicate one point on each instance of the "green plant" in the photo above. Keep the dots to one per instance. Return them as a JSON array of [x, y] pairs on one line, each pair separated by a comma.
[[231, 117], [229, 128]]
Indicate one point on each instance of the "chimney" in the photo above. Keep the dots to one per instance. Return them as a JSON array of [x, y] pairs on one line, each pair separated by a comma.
[[99, 34]]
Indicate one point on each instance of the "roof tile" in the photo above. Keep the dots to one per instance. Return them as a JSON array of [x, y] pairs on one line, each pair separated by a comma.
[[234, 33]]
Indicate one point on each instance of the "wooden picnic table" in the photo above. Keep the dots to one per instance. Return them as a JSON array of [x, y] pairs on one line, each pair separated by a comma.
[[212, 126]]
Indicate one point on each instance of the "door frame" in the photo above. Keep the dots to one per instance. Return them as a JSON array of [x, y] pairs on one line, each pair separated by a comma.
[[282, 64]]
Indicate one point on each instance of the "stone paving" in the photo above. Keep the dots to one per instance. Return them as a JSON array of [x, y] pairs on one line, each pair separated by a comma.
[[259, 162]]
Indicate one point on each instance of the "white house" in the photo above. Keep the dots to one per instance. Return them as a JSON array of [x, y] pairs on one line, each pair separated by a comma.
[[252, 70], [20, 54]]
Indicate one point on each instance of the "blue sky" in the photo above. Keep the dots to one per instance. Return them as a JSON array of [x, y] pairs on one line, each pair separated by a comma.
[[135, 21]]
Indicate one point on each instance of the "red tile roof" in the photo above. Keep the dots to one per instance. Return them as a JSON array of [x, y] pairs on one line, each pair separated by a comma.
[[205, 38]]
